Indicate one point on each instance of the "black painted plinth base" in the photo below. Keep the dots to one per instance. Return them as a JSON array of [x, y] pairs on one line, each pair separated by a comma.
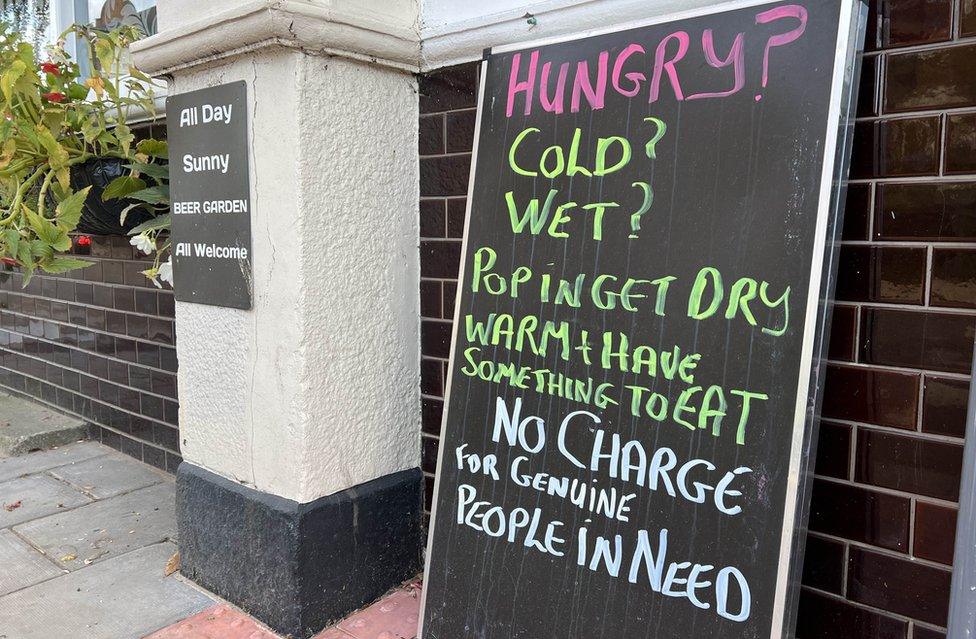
[[298, 567]]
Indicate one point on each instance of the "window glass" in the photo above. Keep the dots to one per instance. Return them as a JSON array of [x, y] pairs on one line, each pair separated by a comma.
[[108, 14]]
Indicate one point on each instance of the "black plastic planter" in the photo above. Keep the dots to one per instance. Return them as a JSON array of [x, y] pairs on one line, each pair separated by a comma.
[[98, 217]]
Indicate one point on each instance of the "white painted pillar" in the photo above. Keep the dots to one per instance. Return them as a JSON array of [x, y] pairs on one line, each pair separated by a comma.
[[315, 391]]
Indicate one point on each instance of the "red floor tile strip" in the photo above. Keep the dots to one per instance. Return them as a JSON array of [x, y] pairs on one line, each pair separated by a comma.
[[218, 622], [393, 617]]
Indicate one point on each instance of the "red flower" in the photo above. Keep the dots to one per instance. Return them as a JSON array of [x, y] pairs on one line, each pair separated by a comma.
[[53, 96], [50, 67], [84, 240]]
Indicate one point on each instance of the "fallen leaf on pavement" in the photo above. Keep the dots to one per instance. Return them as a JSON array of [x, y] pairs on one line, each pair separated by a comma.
[[172, 565], [12, 507], [69, 557]]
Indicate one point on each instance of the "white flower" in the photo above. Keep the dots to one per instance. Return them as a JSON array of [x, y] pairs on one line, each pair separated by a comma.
[[151, 275], [166, 271], [144, 243]]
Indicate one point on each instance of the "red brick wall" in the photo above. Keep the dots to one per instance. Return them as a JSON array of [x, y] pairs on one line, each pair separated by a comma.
[[887, 474]]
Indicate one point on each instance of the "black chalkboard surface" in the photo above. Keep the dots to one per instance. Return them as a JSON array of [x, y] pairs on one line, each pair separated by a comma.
[[634, 377]]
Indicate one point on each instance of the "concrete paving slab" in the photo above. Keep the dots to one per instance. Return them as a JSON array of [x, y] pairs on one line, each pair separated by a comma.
[[34, 496], [105, 529], [27, 426], [126, 597], [22, 565], [11, 467], [109, 475]]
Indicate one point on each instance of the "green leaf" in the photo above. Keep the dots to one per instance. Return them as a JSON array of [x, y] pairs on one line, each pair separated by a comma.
[[53, 118], [28, 271], [108, 139], [91, 130], [57, 155], [136, 73], [25, 52], [63, 242], [158, 171], [153, 148], [125, 137], [12, 239], [122, 186], [158, 222], [105, 53], [69, 209], [38, 224], [63, 264], [77, 91], [9, 150], [10, 77], [152, 195], [112, 92], [30, 135], [41, 250], [125, 211], [24, 253], [50, 237]]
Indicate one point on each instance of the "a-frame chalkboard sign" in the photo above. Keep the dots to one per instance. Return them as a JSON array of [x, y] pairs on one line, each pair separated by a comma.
[[635, 366]]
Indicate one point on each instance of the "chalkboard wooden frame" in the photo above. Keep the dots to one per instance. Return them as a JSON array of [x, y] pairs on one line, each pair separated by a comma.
[[843, 95], [962, 600]]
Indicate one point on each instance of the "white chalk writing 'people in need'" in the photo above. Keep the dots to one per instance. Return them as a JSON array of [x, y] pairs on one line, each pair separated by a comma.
[[636, 560]]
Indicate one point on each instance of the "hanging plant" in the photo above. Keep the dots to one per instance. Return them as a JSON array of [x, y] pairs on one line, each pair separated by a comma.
[[53, 122], [147, 186], [29, 17]]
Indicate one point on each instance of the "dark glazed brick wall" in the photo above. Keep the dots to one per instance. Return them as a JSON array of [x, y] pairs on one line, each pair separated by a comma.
[[447, 113], [98, 343], [885, 497]]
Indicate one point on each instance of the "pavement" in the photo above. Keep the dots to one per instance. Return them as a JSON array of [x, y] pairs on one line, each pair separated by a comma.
[[85, 536], [87, 544], [27, 426]]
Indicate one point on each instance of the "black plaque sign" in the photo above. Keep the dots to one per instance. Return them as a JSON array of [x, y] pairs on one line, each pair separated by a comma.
[[210, 193], [634, 373]]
